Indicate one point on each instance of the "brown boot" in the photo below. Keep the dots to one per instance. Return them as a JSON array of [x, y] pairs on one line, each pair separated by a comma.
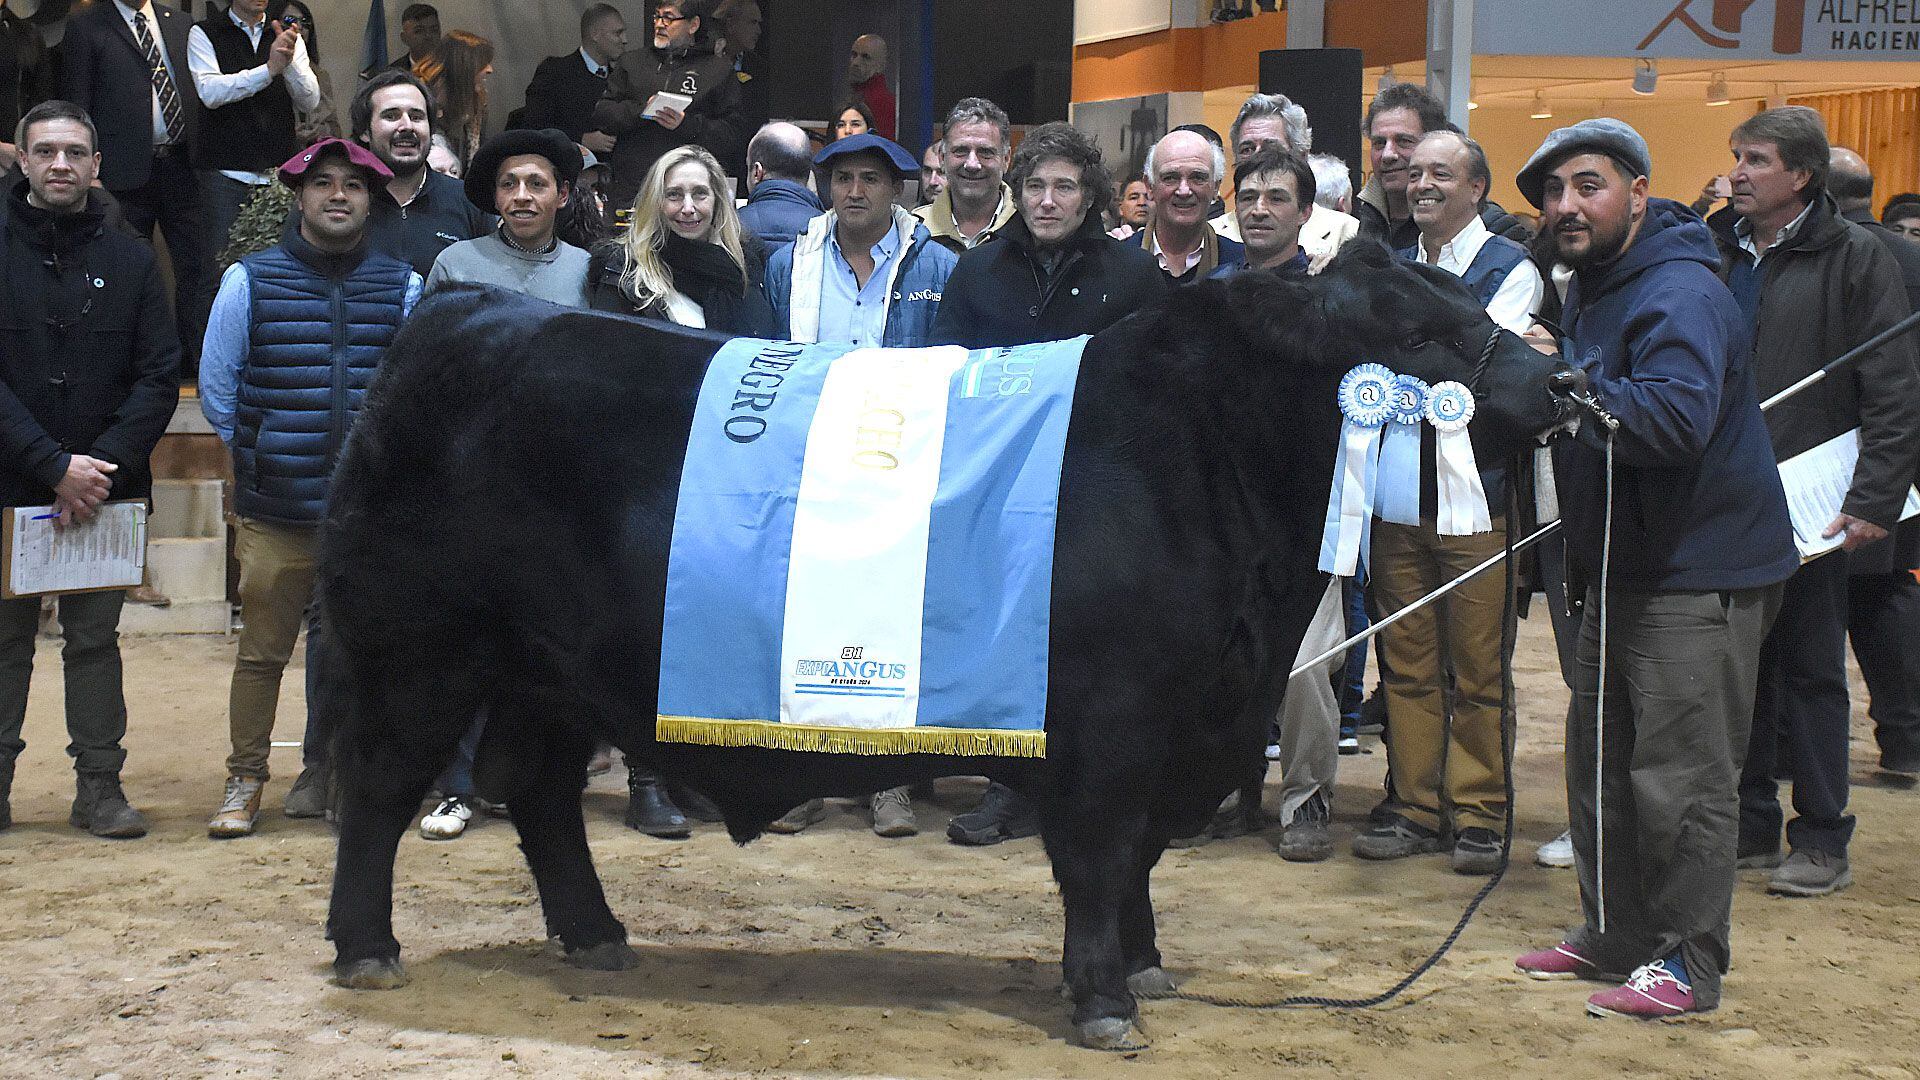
[[239, 808], [148, 595], [100, 807]]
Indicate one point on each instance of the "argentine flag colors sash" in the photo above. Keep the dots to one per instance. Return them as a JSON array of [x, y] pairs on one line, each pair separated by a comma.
[[862, 551]]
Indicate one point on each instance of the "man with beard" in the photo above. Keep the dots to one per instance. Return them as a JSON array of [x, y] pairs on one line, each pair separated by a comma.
[[973, 203], [88, 380], [418, 213], [1692, 555], [282, 394], [680, 61]]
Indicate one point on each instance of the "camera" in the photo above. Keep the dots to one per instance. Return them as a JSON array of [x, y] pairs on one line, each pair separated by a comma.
[[289, 20]]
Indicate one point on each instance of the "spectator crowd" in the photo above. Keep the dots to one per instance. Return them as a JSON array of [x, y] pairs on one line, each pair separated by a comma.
[[299, 237]]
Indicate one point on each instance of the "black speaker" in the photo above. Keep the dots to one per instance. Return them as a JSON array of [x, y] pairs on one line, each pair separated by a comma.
[[1326, 83]]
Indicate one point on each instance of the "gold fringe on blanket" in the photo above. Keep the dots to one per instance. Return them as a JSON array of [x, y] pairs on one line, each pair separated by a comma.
[[962, 742]]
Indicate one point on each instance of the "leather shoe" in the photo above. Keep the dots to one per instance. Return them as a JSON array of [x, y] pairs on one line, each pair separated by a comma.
[[650, 811]]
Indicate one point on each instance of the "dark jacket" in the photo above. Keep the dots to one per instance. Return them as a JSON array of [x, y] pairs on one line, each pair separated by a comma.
[[715, 119], [1215, 251], [778, 211], [1001, 294], [103, 70], [439, 217], [1697, 497], [743, 314], [88, 368], [1901, 551], [1829, 288], [562, 95], [319, 327]]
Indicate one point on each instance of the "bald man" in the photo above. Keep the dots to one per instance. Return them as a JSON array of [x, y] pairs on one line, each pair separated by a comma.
[[867, 72], [779, 202], [1183, 173], [1883, 599]]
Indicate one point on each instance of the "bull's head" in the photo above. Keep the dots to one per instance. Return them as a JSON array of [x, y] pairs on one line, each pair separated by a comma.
[[1421, 321]]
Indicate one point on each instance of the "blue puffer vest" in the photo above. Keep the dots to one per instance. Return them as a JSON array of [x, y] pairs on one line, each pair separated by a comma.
[[1489, 268], [319, 326]]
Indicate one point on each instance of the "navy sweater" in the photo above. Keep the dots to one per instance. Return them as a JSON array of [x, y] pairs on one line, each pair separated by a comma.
[[1697, 497]]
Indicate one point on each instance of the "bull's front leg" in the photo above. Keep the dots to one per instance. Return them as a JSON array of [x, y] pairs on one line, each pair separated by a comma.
[[553, 835], [1093, 853], [379, 794], [1139, 950]]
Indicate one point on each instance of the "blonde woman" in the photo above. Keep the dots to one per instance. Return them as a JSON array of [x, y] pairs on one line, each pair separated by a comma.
[[684, 258]]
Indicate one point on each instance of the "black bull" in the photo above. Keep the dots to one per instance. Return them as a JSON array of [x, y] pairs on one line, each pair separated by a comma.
[[499, 532]]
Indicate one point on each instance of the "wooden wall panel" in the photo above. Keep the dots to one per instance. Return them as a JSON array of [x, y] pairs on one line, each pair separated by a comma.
[[1882, 126]]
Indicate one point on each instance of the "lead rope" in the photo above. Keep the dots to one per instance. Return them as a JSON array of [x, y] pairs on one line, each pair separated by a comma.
[[1600, 708], [1509, 630]]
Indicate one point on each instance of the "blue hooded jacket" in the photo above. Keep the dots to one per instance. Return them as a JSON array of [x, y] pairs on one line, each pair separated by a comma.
[[1697, 498], [778, 210]]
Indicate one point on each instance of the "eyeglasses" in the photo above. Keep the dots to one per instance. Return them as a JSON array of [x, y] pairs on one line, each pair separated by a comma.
[[663, 17]]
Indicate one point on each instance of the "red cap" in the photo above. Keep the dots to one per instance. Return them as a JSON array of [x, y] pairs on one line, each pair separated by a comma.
[[297, 165]]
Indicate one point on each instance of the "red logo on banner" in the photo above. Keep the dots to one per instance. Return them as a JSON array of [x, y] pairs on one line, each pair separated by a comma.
[[1723, 29]]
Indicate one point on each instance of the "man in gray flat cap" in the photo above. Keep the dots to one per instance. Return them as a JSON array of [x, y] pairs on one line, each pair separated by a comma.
[[1699, 544]]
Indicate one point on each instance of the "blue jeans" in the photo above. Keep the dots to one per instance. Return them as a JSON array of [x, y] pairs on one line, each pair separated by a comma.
[[457, 777]]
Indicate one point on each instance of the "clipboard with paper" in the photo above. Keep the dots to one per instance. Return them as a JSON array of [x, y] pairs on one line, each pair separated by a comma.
[[39, 556], [1817, 482]]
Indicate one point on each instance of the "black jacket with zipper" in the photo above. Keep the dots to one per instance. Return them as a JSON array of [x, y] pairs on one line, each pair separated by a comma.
[[92, 360], [1003, 292]]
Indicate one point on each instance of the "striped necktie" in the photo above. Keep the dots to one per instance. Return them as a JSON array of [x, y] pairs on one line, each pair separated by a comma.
[[162, 82]]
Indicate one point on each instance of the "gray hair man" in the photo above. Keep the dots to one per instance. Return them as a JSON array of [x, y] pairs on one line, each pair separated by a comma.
[[1184, 171], [1273, 120], [974, 203], [1813, 285]]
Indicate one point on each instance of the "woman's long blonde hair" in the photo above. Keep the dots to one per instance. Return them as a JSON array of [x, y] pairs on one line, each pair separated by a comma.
[[646, 278]]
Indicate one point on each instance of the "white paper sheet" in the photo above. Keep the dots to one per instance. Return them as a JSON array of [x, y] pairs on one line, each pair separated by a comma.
[[110, 550], [1817, 482]]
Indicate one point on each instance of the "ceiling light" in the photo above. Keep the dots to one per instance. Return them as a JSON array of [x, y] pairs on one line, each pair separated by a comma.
[[1540, 109], [1717, 89], [1644, 77], [1387, 81]]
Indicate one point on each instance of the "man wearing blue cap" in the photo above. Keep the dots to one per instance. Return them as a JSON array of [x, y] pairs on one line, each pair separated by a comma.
[[1686, 569], [866, 271]]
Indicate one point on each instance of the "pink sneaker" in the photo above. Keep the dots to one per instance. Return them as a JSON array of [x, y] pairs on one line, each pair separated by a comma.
[[1563, 961], [1650, 993]]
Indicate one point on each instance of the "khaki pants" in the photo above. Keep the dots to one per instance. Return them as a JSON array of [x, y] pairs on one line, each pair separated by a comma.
[[276, 590], [1437, 765]]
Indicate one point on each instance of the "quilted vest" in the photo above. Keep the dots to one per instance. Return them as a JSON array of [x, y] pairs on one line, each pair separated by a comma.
[[317, 341]]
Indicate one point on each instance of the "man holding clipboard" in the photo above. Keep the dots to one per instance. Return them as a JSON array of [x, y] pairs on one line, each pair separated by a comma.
[[1814, 285], [88, 380], [674, 93]]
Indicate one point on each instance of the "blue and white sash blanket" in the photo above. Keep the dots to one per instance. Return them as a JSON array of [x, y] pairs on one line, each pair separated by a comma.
[[862, 556]]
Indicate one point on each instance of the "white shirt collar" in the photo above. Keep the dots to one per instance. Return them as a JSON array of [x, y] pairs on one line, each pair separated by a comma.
[[251, 28], [593, 66], [1458, 253], [1160, 255], [130, 10], [1743, 229]]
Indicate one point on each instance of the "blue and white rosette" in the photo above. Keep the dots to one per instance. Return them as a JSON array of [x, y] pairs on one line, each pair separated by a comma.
[[1462, 500], [1398, 496], [1366, 400]]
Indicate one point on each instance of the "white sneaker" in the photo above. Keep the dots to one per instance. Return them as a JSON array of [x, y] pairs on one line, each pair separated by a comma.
[[448, 820], [1272, 752], [1557, 851]]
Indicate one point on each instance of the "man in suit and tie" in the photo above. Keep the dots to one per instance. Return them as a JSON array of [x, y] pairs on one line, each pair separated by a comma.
[[565, 88], [127, 66]]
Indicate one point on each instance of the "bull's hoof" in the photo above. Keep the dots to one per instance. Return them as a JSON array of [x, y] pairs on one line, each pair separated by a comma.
[[606, 956], [1153, 982], [1114, 1033], [374, 973]]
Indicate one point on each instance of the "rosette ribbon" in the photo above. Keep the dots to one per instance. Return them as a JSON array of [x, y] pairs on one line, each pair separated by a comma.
[[1398, 496], [1366, 401], [1462, 500]]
